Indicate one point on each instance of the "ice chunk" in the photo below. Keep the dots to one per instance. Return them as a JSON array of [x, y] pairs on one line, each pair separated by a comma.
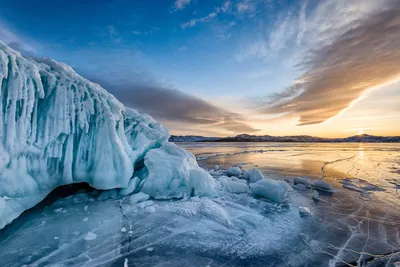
[[139, 197], [234, 171], [322, 185], [58, 128], [174, 173], [90, 236], [304, 211], [315, 195], [234, 186], [253, 175], [150, 209], [270, 189], [133, 184], [301, 180], [145, 204]]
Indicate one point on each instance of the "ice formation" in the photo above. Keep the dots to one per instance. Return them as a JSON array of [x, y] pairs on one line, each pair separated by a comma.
[[58, 128], [253, 175], [270, 189], [234, 186], [322, 185], [234, 171]]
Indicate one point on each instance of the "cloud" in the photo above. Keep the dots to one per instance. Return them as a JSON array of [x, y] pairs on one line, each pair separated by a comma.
[[226, 6], [180, 4], [15, 41], [193, 22], [182, 48], [174, 107], [148, 32], [246, 6], [358, 52]]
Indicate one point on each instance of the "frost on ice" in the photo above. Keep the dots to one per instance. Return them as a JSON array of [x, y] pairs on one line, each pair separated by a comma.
[[58, 128]]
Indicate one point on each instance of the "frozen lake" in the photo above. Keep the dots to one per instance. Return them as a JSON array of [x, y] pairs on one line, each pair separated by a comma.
[[356, 224]]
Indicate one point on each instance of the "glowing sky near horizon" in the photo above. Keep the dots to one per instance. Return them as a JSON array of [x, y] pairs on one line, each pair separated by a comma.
[[217, 68]]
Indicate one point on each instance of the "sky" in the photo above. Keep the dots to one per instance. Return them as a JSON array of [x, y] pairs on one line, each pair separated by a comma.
[[222, 68]]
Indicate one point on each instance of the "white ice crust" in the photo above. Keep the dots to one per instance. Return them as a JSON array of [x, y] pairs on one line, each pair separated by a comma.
[[58, 128]]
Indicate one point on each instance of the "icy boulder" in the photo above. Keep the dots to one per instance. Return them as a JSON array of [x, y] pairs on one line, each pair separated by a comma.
[[270, 189], [234, 171], [253, 175], [174, 173], [322, 185], [234, 186], [58, 128]]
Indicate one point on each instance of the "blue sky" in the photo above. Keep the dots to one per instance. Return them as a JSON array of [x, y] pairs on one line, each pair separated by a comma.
[[236, 55], [150, 36]]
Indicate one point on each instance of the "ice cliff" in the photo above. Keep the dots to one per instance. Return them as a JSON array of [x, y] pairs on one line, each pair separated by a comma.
[[58, 128]]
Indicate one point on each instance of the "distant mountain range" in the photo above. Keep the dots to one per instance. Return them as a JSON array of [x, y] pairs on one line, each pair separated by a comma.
[[363, 138]]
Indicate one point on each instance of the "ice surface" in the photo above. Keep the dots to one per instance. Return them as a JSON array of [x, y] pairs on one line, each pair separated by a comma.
[[253, 175], [270, 189], [360, 185], [233, 229], [345, 229], [58, 128]]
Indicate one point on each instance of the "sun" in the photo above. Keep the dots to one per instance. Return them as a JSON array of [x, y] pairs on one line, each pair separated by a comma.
[[361, 132]]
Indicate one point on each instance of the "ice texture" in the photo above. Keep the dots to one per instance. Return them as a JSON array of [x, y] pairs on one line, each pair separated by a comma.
[[58, 128]]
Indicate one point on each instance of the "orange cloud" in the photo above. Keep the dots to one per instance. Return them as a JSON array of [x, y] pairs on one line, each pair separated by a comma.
[[335, 75]]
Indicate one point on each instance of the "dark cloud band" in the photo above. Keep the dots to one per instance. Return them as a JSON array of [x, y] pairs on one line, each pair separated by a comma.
[[170, 105]]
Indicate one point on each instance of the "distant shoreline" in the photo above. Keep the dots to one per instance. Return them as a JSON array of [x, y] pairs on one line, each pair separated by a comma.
[[364, 138]]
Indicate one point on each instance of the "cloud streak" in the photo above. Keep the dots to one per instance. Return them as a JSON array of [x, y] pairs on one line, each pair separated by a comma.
[[359, 55], [180, 4]]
